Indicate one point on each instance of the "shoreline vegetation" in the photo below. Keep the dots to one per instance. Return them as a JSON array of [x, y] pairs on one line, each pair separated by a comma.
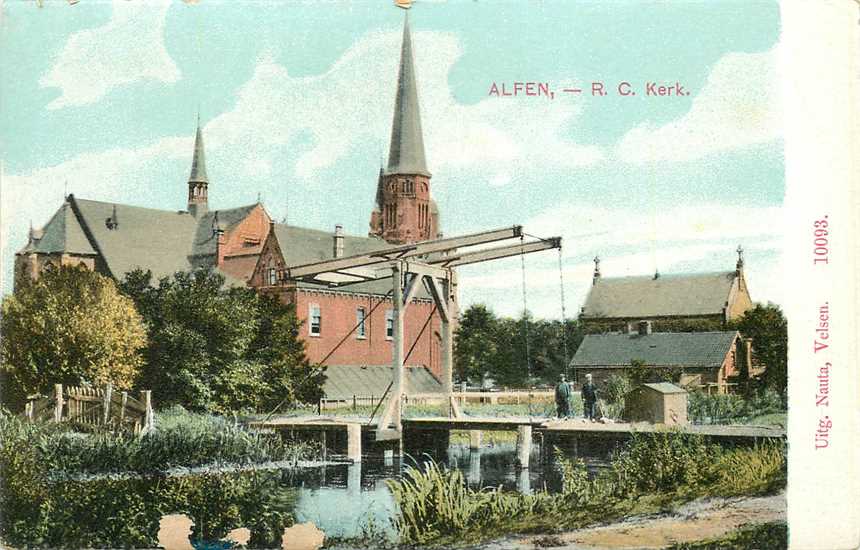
[[59, 485], [436, 508]]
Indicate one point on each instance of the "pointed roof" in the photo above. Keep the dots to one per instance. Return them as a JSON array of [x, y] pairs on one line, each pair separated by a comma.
[[379, 190], [666, 295], [198, 163], [63, 233], [406, 154]]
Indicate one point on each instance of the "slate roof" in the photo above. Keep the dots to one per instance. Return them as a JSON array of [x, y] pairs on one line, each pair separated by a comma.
[[659, 349], [62, 233], [300, 245], [406, 153], [667, 295], [162, 241], [344, 381]]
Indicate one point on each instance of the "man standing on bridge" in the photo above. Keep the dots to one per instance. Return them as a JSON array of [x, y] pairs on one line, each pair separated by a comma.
[[589, 398], [562, 398]]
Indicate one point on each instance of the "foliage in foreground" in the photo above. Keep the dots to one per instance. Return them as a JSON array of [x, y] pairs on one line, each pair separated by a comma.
[[70, 326], [40, 508], [435, 506], [181, 440]]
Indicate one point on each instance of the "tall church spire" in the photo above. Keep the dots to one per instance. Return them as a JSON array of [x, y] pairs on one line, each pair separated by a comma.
[[406, 153], [198, 181], [404, 211]]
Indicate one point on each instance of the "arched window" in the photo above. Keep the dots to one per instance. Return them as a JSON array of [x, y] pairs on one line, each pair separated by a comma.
[[273, 276]]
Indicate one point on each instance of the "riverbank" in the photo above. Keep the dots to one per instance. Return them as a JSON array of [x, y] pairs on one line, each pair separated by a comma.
[[701, 520]]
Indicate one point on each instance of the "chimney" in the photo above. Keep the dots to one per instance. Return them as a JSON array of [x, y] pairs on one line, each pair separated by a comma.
[[748, 356], [644, 328], [338, 241]]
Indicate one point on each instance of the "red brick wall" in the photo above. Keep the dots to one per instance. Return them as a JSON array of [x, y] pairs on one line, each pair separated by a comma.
[[338, 312]]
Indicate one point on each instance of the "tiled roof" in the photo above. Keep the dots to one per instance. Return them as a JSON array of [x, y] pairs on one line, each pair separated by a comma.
[[659, 349], [667, 295], [344, 381]]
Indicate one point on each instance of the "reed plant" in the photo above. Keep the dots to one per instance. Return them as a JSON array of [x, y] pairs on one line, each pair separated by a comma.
[[435, 506]]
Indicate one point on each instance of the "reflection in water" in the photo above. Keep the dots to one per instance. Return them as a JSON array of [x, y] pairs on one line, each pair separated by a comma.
[[343, 500]]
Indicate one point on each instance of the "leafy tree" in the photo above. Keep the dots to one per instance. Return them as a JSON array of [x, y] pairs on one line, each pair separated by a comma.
[[497, 346], [768, 328], [475, 343], [219, 349], [71, 326]]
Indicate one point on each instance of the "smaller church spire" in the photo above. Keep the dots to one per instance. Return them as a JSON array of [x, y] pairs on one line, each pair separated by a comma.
[[740, 265], [596, 270], [198, 181]]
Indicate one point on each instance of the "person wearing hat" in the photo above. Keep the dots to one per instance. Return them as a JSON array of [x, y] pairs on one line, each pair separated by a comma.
[[589, 398], [562, 398]]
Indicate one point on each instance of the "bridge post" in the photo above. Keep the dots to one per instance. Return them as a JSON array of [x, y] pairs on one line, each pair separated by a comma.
[[58, 406], [524, 445], [353, 442], [475, 437]]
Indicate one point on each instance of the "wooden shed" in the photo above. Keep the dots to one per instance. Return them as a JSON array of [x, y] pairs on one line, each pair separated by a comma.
[[661, 403]]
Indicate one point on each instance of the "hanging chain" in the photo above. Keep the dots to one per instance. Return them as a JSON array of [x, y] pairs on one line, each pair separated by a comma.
[[563, 314], [525, 309]]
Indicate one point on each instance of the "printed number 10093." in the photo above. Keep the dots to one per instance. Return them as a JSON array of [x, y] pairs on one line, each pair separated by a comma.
[[821, 243]]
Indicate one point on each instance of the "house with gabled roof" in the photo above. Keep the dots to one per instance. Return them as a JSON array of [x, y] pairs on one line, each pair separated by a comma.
[[344, 326], [694, 301], [710, 360]]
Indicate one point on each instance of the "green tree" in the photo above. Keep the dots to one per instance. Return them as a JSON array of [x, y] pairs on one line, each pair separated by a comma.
[[221, 349], [71, 326], [768, 328], [475, 343]]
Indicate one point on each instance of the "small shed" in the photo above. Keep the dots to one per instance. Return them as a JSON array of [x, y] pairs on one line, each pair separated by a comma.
[[661, 403]]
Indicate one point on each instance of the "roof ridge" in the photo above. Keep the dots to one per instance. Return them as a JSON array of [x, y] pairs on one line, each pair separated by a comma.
[[667, 275]]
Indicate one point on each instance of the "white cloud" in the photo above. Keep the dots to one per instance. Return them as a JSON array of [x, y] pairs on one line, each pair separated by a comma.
[[129, 48], [738, 106], [682, 239], [351, 104]]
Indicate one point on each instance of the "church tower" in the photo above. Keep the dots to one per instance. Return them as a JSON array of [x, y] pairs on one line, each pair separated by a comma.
[[404, 211], [198, 181]]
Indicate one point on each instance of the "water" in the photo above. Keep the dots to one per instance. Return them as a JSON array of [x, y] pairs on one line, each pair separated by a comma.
[[349, 500]]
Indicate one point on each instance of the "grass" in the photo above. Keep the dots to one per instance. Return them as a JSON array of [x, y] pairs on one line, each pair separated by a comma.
[[655, 471], [772, 536]]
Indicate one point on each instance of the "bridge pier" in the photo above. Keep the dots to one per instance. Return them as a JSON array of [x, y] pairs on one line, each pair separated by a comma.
[[475, 437], [524, 445], [353, 442]]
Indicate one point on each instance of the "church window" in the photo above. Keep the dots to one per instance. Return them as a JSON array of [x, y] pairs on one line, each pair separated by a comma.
[[361, 316], [389, 324], [273, 276], [315, 318]]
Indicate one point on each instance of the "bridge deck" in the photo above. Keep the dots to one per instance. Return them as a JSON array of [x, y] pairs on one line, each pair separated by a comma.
[[554, 427]]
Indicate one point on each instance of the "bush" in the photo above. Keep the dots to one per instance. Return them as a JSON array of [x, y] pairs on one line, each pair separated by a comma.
[[727, 408], [615, 388]]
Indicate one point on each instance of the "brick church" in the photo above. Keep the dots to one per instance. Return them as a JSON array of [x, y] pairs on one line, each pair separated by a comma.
[[249, 248]]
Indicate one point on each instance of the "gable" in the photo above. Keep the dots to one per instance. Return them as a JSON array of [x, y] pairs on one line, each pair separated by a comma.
[[62, 234]]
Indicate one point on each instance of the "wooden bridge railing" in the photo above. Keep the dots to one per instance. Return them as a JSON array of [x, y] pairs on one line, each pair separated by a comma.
[[94, 407]]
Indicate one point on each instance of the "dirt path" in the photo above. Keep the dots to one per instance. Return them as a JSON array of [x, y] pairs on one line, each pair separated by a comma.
[[695, 521]]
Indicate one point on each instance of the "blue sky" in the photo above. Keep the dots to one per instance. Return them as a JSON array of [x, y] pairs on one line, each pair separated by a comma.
[[296, 100]]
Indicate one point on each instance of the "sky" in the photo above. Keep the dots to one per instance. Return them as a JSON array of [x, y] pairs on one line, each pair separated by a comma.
[[100, 99]]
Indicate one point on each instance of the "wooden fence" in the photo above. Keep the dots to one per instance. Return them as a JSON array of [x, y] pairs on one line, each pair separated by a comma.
[[507, 397], [93, 407]]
